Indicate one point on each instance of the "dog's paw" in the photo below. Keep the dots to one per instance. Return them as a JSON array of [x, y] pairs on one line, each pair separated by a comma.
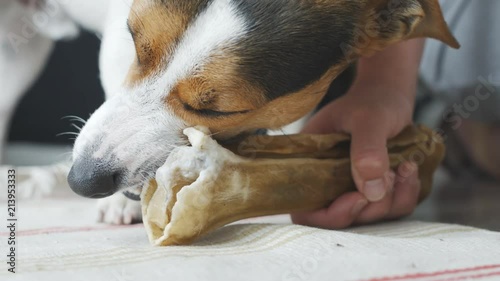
[[118, 209], [35, 182]]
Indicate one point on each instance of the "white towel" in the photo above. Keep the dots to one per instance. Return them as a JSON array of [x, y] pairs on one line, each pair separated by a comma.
[[58, 241]]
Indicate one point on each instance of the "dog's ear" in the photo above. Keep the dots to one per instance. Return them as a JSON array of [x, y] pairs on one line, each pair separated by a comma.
[[433, 24], [391, 21]]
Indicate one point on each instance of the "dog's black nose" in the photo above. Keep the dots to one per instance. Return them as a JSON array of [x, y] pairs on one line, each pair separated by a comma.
[[91, 179]]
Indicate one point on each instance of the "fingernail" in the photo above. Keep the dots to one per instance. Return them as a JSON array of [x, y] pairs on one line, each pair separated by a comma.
[[374, 190], [358, 207]]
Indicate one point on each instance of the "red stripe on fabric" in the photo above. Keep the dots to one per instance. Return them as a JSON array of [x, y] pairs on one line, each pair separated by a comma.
[[34, 232], [435, 274], [472, 277]]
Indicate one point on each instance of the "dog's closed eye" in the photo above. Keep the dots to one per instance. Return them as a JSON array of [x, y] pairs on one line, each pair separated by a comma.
[[197, 96], [212, 113]]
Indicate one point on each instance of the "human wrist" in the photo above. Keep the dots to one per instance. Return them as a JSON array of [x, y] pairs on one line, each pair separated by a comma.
[[395, 69], [385, 96], [371, 89]]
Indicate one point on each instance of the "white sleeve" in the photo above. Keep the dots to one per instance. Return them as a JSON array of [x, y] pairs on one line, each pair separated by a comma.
[[476, 24]]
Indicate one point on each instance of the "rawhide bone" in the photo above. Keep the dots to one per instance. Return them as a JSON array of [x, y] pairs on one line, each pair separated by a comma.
[[206, 186]]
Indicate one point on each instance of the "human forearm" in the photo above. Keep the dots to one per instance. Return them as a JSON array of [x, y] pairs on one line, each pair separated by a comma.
[[394, 69]]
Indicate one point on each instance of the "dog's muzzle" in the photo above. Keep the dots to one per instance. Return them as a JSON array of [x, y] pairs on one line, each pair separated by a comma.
[[92, 179]]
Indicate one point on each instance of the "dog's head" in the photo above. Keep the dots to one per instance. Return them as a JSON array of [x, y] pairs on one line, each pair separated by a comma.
[[233, 66]]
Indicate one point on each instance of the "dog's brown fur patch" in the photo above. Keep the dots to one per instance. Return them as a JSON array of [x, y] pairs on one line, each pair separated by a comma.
[[157, 27], [218, 87]]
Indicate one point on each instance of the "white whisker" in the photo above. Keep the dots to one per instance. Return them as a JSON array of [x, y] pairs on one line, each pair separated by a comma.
[[67, 133], [74, 118], [76, 127]]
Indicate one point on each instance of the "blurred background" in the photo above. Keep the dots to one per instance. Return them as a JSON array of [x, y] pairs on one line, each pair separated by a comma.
[[69, 86]]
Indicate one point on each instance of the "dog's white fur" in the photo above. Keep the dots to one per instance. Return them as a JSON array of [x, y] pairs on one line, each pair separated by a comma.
[[215, 28]]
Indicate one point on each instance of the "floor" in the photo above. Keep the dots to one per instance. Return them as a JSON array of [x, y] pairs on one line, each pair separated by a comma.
[[469, 200]]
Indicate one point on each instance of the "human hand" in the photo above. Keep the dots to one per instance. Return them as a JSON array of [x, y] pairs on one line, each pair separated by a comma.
[[371, 114]]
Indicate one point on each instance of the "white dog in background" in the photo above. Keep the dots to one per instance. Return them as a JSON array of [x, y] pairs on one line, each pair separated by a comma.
[[28, 31]]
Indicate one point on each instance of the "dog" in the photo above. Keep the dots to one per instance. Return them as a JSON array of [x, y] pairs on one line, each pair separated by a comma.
[[234, 66]]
